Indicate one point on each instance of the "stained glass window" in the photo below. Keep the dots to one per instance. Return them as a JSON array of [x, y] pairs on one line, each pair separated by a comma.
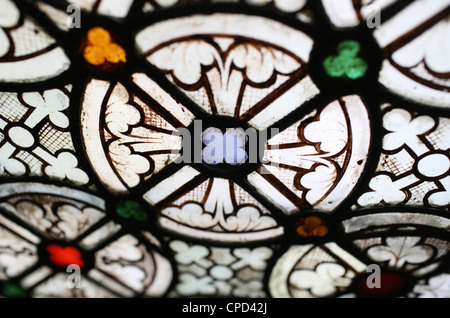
[[242, 149]]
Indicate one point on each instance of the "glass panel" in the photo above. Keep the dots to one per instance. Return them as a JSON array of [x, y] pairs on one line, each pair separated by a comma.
[[219, 207], [219, 271], [56, 212], [100, 235], [414, 165], [305, 271], [111, 8], [35, 140], [21, 39], [213, 69], [132, 264], [56, 287], [349, 13], [27, 53], [416, 64], [433, 287], [16, 254], [405, 253], [36, 276], [211, 208], [341, 12], [62, 214], [316, 162], [137, 139], [114, 8], [364, 222], [370, 7], [19, 230], [345, 103]]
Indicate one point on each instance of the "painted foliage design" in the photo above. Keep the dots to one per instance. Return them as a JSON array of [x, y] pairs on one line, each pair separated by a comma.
[[90, 150]]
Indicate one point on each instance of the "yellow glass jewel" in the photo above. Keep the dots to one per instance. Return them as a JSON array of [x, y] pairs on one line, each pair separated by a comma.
[[312, 226], [101, 49]]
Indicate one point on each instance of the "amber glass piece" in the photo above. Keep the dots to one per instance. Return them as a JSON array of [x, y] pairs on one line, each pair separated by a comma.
[[101, 48], [312, 226]]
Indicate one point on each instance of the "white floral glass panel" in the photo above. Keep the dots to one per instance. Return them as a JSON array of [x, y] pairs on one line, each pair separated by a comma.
[[56, 287], [416, 64], [136, 140], [22, 60], [414, 166], [65, 215], [211, 208], [35, 140], [305, 271], [213, 69], [355, 174], [219, 271], [308, 176]]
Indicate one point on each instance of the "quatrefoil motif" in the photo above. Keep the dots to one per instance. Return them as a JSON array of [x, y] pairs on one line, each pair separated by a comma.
[[226, 147]]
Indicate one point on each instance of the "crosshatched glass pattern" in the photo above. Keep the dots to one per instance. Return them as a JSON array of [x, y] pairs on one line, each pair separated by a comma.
[[346, 104]]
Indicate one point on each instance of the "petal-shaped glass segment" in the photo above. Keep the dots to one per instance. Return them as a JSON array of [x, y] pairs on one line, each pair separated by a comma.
[[253, 69], [416, 49], [214, 209], [23, 60], [126, 139], [313, 271], [299, 8], [317, 161], [349, 13], [412, 242], [433, 287], [55, 217]]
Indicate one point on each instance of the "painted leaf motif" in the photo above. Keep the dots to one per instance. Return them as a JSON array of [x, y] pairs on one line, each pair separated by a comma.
[[254, 258], [51, 103], [75, 221], [192, 285], [190, 254], [124, 259], [437, 287], [321, 282], [401, 250], [404, 129]]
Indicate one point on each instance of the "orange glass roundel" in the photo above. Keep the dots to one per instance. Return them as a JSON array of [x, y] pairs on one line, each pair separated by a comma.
[[101, 49]]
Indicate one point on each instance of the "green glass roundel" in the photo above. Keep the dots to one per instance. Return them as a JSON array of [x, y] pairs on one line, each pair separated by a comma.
[[13, 291], [346, 63], [131, 210]]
